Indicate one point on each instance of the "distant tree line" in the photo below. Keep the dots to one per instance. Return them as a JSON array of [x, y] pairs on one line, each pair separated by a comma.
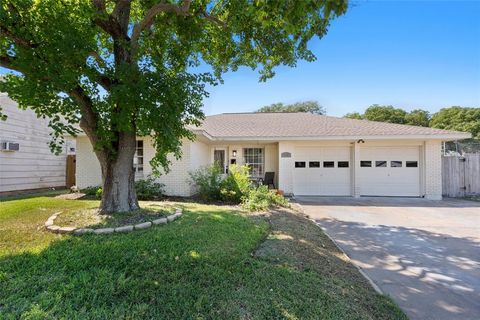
[[303, 106], [452, 118]]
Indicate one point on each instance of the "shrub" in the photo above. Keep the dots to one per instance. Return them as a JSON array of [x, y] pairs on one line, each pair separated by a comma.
[[261, 198], [98, 193], [236, 185], [208, 181], [92, 191], [149, 189]]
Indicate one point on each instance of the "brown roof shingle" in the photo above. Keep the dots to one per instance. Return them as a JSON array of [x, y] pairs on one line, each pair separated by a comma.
[[297, 125]]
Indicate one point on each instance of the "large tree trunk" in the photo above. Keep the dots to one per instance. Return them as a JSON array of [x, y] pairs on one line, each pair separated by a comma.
[[118, 178]]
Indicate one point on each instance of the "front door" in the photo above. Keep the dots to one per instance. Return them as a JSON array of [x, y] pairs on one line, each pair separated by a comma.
[[219, 159]]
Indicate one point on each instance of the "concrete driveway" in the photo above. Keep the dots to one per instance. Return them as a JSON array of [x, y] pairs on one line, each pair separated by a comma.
[[425, 254]]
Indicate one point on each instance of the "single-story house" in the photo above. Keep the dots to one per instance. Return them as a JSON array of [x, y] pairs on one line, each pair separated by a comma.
[[309, 154]]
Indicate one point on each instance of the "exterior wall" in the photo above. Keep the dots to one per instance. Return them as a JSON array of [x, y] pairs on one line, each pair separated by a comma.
[[433, 169], [285, 166], [33, 166], [197, 154], [88, 172], [430, 163], [176, 180]]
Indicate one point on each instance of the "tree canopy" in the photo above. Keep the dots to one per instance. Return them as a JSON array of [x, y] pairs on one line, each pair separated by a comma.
[[452, 118], [458, 118], [304, 106], [131, 67]]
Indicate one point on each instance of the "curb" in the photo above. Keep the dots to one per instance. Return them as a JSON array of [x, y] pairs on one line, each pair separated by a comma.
[[363, 273], [50, 225]]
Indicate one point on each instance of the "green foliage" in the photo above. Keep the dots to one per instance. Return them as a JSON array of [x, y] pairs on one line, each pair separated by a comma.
[[452, 118], [208, 181], [459, 119], [91, 191], [149, 189], [385, 114], [236, 185], [234, 188], [117, 67], [418, 117], [305, 106], [98, 194], [262, 198], [354, 115]]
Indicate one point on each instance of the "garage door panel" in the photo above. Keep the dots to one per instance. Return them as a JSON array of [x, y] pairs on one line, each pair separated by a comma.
[[390, 180], [322, 180]]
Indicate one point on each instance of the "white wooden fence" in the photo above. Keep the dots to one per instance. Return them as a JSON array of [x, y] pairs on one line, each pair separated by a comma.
[[461, 175]]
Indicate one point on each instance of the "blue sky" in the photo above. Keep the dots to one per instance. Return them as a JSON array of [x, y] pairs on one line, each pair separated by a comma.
[[410, 54]]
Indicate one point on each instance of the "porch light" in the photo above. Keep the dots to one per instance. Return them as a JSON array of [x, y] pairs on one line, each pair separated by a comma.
[[234, 153]]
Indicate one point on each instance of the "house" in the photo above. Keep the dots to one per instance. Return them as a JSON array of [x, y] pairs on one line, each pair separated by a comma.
[[26, 161], [310, 155]]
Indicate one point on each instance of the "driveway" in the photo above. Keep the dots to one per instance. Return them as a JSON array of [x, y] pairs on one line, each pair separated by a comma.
[[424, 254]]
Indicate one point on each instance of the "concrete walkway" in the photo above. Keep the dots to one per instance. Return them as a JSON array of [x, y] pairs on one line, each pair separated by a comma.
[[424, 254]]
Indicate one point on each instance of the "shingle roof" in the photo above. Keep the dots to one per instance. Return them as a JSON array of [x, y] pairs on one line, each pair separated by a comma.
[[298, 125]]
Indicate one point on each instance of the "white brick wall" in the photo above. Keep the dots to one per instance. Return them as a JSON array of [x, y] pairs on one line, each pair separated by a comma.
[[88, 172], [176, 181], [285, 167], [433, 169]]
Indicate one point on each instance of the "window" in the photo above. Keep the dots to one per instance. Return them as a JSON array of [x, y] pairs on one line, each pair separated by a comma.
[[342, 164], [395, 164], [138, 157], [328, 164], [411, 164], [300, 164], [254, 158], [314, 164], [380, 163], [365, 164]]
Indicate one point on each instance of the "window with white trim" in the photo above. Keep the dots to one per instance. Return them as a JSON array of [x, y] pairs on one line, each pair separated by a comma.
[[255, 159], [138, 157]]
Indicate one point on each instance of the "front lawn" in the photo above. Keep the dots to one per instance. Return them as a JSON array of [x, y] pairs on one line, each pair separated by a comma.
[[212, 263]]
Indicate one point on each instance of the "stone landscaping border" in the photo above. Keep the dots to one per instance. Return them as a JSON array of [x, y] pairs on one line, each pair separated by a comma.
[[50, 225]]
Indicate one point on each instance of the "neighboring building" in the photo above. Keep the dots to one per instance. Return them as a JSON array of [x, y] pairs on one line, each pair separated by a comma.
[[25, 158], [310, 155]]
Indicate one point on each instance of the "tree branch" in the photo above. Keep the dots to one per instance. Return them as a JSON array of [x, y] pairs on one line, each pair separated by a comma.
[[147, 21], [8, 63], [105, 21]]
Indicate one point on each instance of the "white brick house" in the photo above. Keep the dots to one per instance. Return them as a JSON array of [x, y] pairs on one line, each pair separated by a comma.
[[309, 154]]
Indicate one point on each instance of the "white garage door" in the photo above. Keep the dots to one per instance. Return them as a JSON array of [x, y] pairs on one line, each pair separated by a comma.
[[322, 171], [389, 171]]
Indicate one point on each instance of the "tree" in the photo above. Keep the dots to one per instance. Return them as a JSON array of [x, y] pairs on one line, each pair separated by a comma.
[[418, 117], [458, 118], [305, 106], [354, 115], [125, 68], [385, 114]]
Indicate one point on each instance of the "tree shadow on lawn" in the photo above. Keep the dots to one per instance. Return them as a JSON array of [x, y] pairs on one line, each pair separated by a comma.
[[201, 266], [430, 275]]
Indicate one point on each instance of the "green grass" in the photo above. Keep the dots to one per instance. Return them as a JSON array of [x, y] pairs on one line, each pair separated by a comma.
[[212, 263]]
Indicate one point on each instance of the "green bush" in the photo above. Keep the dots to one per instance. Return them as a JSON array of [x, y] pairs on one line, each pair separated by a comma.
[[208, 181], [149, 189], [98, 193], [236, 185], [91, 191], [261, 198]]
